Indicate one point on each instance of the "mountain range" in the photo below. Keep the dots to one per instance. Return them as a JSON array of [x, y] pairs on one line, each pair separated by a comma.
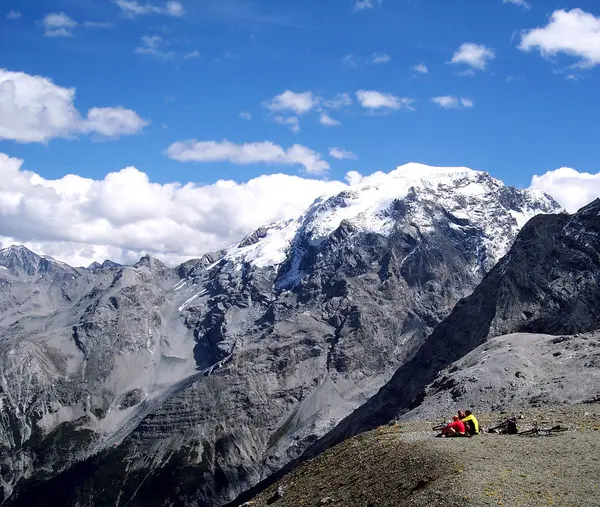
[[187, 385]]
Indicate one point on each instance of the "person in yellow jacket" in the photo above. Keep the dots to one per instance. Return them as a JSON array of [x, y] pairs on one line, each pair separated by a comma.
[[469, 419]]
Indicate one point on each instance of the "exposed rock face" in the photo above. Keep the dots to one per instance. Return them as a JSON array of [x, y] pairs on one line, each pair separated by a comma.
[[549, 282], [195, 383]]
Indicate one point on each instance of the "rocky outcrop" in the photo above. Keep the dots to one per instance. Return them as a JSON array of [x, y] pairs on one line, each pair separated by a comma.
[[186, 386], [516, 371]]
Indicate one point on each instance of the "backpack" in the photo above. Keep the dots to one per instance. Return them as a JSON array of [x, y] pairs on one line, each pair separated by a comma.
[[511, 428]]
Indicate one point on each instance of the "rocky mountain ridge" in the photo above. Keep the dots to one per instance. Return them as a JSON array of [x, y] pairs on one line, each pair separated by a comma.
[[206, 377]]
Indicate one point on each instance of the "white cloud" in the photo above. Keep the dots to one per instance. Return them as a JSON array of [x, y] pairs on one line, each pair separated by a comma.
[[475, 55], [520, 3], [571, 189], [245, 115], [361, 5], [339, 101], [377, 58], [13, 14], [34, 109], [133, 8], [58, 24], [421, 68], [191, 55], [299, 103], [292, 121], [341, 154], [328, 121], [264, 152], [78, 220], [575, 33], [152, 45], [451, 102], [372, 99], [113, 121], [446, 101], [353, 61]]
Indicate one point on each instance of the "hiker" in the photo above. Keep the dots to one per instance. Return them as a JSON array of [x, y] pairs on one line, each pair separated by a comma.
[[455, 429], [470, 421]]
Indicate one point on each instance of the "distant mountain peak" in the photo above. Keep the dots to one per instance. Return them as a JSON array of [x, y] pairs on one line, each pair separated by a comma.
[[107, 264], [21, 261]]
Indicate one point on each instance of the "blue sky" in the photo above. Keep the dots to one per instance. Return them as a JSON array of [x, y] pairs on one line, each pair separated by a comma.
[[527, 116], [148, 104]]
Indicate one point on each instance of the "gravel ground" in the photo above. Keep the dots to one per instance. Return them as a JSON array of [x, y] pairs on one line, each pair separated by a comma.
[[403, 464]]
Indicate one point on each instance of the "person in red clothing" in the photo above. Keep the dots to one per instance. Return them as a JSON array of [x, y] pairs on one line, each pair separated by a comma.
[[455, 429]]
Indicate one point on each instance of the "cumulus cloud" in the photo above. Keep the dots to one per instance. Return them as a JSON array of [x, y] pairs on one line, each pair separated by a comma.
[[113, 121], [58, 24], [575, 33], [361, 5], [328, 121], [475, 55], [125, 215], [372, 99], [451, 102], [421, 68], [520, 3], [446, 101], [13, 14], [34, 109], [571, 189], [299, 103], [264, 152], [133, 8], [378, 58], [341, 154]]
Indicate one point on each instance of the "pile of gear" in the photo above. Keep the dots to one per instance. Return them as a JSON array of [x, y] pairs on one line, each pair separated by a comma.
[[465, 424]]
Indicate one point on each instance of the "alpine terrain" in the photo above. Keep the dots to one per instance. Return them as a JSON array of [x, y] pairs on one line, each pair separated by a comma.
[[150, 385], [526, 337]]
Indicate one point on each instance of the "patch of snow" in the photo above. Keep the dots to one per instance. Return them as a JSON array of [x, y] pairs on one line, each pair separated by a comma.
[[271, 250], [179, 284], [188, 301]]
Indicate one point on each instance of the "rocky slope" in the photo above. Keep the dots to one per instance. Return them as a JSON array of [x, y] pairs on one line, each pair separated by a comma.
[[510, 372], [549, 282], [192, 384], [404, 465]]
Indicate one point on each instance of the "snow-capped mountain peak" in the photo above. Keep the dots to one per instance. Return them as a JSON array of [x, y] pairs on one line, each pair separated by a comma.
[[473, 198]]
